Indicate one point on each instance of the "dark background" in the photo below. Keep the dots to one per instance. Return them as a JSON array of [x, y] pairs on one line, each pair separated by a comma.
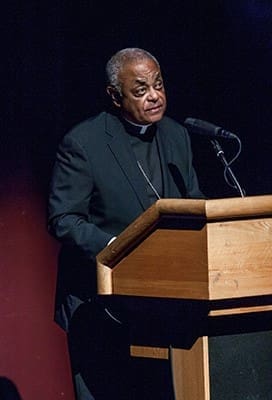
[[215, 56], [216, 61]]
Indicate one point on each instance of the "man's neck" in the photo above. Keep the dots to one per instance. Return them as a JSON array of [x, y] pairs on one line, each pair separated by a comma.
[[142, 128]]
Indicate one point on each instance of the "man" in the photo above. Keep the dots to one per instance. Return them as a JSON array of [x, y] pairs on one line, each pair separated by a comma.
[[108, 170]]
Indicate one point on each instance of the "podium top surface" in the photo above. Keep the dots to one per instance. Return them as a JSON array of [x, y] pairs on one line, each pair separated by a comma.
[[210, 210], [224, 208]]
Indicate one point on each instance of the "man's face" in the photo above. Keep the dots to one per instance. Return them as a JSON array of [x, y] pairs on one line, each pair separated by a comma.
[[143, 96]]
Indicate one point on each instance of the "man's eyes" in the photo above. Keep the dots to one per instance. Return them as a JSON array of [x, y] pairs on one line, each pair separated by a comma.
[[158, 85], [140, 91]]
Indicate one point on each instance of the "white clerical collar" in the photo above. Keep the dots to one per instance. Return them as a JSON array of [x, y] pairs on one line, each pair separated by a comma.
[[142, 128]]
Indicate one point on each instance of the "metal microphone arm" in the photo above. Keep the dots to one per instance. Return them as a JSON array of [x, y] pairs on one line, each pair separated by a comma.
[[220, 154]]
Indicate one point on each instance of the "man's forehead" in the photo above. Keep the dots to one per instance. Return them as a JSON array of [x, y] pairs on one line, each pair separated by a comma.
[[153, 75], [141, 71]]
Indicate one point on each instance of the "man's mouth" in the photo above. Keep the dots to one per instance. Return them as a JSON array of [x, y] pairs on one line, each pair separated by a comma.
[[154, 110]]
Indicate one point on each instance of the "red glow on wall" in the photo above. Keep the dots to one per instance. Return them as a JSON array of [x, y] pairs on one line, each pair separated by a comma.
[[33, 352]]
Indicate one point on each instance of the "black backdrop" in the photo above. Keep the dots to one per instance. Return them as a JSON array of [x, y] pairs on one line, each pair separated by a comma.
[[216, 59]]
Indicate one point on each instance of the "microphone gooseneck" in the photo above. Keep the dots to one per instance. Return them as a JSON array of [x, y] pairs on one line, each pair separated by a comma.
[[213, 131], [227, 170]]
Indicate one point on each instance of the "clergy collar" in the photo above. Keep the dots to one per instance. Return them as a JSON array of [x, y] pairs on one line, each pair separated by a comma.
[[136, 129]]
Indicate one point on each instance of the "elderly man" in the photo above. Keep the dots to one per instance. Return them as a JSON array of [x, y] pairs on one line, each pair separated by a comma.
[[108, 170]]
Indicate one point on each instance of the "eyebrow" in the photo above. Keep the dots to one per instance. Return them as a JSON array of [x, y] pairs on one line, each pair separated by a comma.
[[143, 80]]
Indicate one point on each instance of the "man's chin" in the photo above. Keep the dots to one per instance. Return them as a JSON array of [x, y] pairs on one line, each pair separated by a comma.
[[155, 115], [155, 118]]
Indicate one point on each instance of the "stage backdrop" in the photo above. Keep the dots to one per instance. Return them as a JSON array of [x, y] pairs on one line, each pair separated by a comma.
[[216, 59]]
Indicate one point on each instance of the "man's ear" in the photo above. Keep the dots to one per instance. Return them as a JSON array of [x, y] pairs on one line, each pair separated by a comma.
[[115, 96]]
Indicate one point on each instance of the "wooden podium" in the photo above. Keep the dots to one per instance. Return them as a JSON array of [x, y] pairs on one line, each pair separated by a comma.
[[186, 269]]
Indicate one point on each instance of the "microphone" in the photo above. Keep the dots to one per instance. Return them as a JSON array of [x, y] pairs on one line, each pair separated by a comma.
[[206, 128]]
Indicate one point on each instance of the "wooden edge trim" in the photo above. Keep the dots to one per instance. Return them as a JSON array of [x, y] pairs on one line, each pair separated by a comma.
[[111, 254], [149, 352], [241, 310], [181, 206], [237, 207], [104, 279]]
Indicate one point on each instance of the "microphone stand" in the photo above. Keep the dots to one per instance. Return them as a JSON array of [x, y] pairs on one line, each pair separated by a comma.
[[220, 154]]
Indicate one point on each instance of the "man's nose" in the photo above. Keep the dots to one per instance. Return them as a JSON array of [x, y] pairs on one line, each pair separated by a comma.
[[152, 95]]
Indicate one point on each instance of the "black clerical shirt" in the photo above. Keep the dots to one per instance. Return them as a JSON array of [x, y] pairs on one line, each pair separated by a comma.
[[146, 151]]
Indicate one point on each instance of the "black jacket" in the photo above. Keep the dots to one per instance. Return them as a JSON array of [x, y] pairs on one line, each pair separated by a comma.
[[97, 190]]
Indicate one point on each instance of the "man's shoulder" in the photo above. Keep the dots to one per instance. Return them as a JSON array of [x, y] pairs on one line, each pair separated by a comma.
[[92, 128], [88, 125]]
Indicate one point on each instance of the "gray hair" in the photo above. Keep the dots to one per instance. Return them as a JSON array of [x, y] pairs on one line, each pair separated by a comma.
[[119, 59]]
